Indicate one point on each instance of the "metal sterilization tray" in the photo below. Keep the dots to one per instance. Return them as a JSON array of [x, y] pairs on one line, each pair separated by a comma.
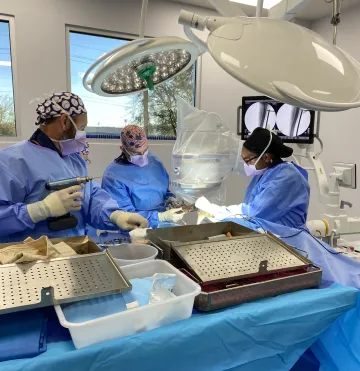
[[58, 281], [248, 266], [243, 292], [240, 257], [164, 239]]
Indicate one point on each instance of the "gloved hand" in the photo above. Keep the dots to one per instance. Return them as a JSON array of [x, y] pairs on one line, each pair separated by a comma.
[[173, 203], [172, 216], [56, 204], [207, 207], [128, 221], [235, 210], [216, 212]]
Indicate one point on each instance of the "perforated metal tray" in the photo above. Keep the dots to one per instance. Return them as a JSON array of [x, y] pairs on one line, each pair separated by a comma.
[[57, 281], [239, 257]]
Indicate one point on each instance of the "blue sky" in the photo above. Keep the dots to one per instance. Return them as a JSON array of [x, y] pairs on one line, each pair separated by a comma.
[[5, 61], [84, 50]]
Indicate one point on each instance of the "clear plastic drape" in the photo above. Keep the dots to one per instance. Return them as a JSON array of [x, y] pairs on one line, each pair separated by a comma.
[[204, 154]]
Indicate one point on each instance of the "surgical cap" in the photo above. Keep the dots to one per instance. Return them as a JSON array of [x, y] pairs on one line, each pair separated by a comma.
[[133, 138], [259, 139], [58, 104]]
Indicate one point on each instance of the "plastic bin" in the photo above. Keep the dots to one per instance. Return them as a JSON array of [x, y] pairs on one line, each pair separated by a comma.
[[139, 319], [132, 253]]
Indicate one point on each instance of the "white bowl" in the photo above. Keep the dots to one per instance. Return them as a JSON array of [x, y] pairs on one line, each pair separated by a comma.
[[126, 254]]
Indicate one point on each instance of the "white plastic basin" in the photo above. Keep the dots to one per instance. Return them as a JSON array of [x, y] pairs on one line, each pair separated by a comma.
[[132, 253], [139, 319]]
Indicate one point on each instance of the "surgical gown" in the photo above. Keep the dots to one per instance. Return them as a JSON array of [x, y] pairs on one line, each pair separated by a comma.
[[143, 190], [25, 168], [280, 196]]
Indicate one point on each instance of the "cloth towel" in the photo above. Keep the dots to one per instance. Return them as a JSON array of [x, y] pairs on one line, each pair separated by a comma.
[[32, 250], [63, 249]]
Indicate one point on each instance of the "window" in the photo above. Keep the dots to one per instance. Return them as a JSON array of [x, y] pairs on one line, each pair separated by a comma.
[[107, 116], [7, 109]]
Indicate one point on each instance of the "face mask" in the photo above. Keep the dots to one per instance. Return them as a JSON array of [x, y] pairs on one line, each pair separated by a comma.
[[251, 170], [138, 160], [74, 145]]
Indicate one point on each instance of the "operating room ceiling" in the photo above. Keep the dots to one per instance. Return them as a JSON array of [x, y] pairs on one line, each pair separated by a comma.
[[315, 10]]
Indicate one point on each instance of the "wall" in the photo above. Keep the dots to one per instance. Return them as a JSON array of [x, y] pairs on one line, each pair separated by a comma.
[[41, 67], [340, 131]]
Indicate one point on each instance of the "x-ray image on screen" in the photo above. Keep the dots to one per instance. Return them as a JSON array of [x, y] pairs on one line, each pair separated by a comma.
[[293, 121], [290, 123], [260, 115]]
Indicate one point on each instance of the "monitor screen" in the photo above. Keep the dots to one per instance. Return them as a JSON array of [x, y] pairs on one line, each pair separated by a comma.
[[291, 124]]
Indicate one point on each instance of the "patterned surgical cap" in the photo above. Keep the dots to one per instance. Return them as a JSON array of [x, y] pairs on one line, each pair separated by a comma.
[[58, 104], [133, 137]]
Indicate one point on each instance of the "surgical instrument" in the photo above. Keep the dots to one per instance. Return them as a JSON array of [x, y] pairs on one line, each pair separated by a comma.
[[66, 183], [67, 221]]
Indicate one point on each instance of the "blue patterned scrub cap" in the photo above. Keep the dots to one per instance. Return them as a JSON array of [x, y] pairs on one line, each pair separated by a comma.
[[58, 104]]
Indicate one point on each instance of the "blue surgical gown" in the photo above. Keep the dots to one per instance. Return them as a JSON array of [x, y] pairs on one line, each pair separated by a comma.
[[25, 168], [143, 190], [281, 196]]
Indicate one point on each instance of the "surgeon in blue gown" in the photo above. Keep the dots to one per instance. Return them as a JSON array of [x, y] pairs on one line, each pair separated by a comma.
[[51, 154], [279, 191], [138, 181]]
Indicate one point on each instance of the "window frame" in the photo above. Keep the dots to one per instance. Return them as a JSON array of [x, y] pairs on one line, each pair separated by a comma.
[[124, 36], [10, 19]]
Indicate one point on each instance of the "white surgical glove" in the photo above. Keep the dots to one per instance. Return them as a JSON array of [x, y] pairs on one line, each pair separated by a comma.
[[138, 234], [173, 203], [56, 204], [128, 221], [206, 206], [216, 212], [235, 210], [172, 216]]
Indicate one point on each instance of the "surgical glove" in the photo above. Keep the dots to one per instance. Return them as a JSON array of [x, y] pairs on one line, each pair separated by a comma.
[[172, 216], [128, 221], [173, 203], [58, 203], [235, 210], [218, 212]]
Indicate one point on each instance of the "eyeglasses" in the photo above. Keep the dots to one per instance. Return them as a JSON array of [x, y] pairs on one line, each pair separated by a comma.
[[250, 159]]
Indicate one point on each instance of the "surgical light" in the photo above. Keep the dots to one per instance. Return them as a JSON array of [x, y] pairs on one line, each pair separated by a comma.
[[140, 65], [279, 59]]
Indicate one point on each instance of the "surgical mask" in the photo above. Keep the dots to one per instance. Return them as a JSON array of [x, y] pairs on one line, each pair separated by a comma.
[[251, 170], [138, 160], [73, 145]]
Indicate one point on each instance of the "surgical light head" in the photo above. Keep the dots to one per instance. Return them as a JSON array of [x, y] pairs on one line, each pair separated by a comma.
[[280, 59], [140, 65]]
